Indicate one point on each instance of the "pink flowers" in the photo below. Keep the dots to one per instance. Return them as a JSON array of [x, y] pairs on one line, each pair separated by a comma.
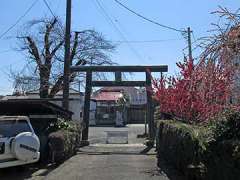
[[197, 93]]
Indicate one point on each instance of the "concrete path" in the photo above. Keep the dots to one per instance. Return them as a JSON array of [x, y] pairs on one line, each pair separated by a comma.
[[101, 161], [109, 162]]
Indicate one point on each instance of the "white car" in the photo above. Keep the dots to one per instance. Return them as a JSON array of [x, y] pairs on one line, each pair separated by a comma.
[[19, 145]]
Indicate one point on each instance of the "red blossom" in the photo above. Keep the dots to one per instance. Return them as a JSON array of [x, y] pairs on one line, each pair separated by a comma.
[[198, 93]]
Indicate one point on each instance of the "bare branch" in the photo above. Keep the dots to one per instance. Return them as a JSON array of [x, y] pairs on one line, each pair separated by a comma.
[[34, 51], [43, 40], [47, 43]]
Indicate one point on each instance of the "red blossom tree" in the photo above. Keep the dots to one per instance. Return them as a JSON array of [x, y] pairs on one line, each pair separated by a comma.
[[197, 93], [205, 88]]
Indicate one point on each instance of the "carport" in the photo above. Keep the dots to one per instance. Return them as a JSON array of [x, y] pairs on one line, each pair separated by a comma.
[[41, 112]]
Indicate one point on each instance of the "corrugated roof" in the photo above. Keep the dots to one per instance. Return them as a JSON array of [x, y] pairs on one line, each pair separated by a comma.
[[107, 96]]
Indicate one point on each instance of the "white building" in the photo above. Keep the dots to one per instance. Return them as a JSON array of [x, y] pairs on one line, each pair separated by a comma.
[[76, 101]]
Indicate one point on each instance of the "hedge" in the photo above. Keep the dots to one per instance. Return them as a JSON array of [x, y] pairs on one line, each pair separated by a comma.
[[224, 161], [192, 150], [64, 143], [181, 145]]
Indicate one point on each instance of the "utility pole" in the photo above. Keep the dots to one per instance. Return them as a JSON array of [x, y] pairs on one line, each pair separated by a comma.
[[65, 102], [189, 43]]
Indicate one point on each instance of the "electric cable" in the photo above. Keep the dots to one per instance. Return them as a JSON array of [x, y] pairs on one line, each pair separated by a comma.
[[147, 19], [18, 20]]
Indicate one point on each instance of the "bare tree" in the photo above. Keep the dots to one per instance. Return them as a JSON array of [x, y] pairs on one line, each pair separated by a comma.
[[23, 83], [43, 43], [224, 43], [222, 48]]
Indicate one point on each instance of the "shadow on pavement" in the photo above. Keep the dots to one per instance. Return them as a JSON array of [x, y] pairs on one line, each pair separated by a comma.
[[117, 150], [146, 150], [169, 170], [114, 153], [36, 171], [164, 168]]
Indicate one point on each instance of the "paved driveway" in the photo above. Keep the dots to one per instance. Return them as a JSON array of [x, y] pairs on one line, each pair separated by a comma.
[[109, 163], [101, 161]]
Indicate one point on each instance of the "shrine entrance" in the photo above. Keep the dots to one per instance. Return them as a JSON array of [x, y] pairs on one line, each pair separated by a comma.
[[118, 70]]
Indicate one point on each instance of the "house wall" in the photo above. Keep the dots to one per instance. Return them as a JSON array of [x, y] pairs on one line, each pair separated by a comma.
[[136, 114], [137, 96], [75, 104]]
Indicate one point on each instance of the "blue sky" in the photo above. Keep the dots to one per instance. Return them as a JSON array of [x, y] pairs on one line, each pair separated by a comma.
[[86, 14]]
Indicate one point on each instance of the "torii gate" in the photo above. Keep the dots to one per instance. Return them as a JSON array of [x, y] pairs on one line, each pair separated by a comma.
[[118, 70]]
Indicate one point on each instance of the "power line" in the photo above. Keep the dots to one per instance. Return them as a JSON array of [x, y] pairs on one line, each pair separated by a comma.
[[149, 41], [110, 21], [149, 20], [51, 11], [18, 20], [49, 8], [195, 40]]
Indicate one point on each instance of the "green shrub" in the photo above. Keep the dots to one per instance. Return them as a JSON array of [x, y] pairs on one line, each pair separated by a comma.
[[226, 126], [224, 161], [209, 151], [63, 124], [224, 151], [64, 142], [182, 145]]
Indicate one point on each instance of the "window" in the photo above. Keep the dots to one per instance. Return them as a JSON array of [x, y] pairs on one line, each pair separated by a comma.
[[112, 110], [11, 128]]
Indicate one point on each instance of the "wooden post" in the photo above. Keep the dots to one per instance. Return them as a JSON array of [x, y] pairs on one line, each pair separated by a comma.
[[118, 76], [87, 107], [189, 43], [149, 108], [67, 63]]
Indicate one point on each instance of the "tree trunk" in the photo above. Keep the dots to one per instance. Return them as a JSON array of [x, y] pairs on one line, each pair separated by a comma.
[[44, 83], [43, 91]]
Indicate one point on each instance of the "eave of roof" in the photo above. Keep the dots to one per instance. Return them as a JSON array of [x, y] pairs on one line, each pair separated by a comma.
[[27, 107], [107, 96]]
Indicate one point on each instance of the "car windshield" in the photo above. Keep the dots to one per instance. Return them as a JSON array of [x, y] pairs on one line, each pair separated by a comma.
[[10, 128]]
